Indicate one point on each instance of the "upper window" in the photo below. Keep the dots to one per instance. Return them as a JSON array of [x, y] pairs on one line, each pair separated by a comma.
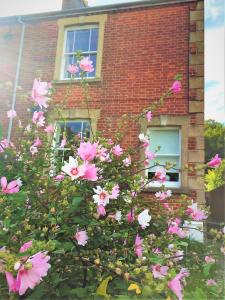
[[85, 34], [168, 139], [80, 38]]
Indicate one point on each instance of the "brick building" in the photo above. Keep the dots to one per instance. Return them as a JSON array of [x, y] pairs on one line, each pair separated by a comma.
[[137, 49]]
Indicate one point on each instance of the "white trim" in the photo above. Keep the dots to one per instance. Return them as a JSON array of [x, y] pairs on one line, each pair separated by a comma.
[[167, 183]]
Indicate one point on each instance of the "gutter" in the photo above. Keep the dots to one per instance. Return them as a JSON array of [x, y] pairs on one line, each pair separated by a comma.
[[95, 9], [17, 76]]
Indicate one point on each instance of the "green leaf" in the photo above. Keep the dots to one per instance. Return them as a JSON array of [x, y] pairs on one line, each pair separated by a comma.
[[102, 288]]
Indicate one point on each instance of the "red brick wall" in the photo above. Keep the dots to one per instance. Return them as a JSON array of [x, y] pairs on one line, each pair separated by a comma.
[[143, 50]]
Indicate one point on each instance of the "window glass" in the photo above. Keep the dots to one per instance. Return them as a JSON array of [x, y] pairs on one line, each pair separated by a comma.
[[169, 141], [94, 39], [72, 129], [82, 39]]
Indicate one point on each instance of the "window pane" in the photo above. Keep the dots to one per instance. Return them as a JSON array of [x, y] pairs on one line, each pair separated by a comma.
[[73, 128], [86, 130], [69, 60], [82, 40], [70, 41], [94, 39], [167, 139]]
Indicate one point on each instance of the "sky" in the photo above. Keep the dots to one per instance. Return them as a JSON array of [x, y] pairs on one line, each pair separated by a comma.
[[214, 44]]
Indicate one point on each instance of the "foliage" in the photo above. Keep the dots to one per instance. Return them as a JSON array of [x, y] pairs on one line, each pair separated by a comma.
[[215, 178], [214, 139], [94, 224]]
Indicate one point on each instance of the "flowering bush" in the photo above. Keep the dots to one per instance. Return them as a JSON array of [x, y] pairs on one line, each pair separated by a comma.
[[80, 228]]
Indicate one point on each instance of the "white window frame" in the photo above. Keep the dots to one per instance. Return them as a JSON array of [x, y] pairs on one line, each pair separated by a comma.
[[166, 183], [65, 54]]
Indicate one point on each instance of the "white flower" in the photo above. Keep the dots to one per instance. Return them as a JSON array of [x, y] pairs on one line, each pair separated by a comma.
[[144, 218], [101, 197], [118, 216], [73, 169]]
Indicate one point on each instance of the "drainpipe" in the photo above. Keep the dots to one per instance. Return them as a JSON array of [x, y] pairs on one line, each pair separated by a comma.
[[17, 76]]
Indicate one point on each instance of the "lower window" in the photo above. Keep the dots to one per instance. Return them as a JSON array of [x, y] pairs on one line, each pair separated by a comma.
[[167, 141], [73, 131]]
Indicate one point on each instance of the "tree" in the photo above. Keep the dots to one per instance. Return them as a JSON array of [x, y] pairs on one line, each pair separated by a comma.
[[214, 139]]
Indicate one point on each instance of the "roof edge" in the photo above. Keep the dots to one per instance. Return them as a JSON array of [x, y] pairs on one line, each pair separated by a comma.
[[93, 9]]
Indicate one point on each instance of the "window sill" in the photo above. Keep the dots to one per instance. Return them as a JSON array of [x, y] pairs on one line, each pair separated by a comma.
[[180, 190], [76, 81]]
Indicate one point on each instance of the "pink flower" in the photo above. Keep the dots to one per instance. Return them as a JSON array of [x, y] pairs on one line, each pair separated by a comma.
[[149, 116], [115, 192], [49, 129], [101, 210], [25, 246], [11, 188], [144, 139], [159, 271], [127, 161], [39, 92], [90, 172], [211, 282], [63, 143], [11, 114], [38, 118], [73, 169], [138, 246], [73, 69], [81, 237], [175, 229], [37, 142], [176, 286], [157, 251], [87, 151], [117, 150], [195, 213], [130, 216], [102, 153], [29, 273], [160, 175], [176, 87], [4, 144], [209, 260], [163, 195], [150, 155], [59, 177], [215, 162], [12, 283], [86, 65]]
